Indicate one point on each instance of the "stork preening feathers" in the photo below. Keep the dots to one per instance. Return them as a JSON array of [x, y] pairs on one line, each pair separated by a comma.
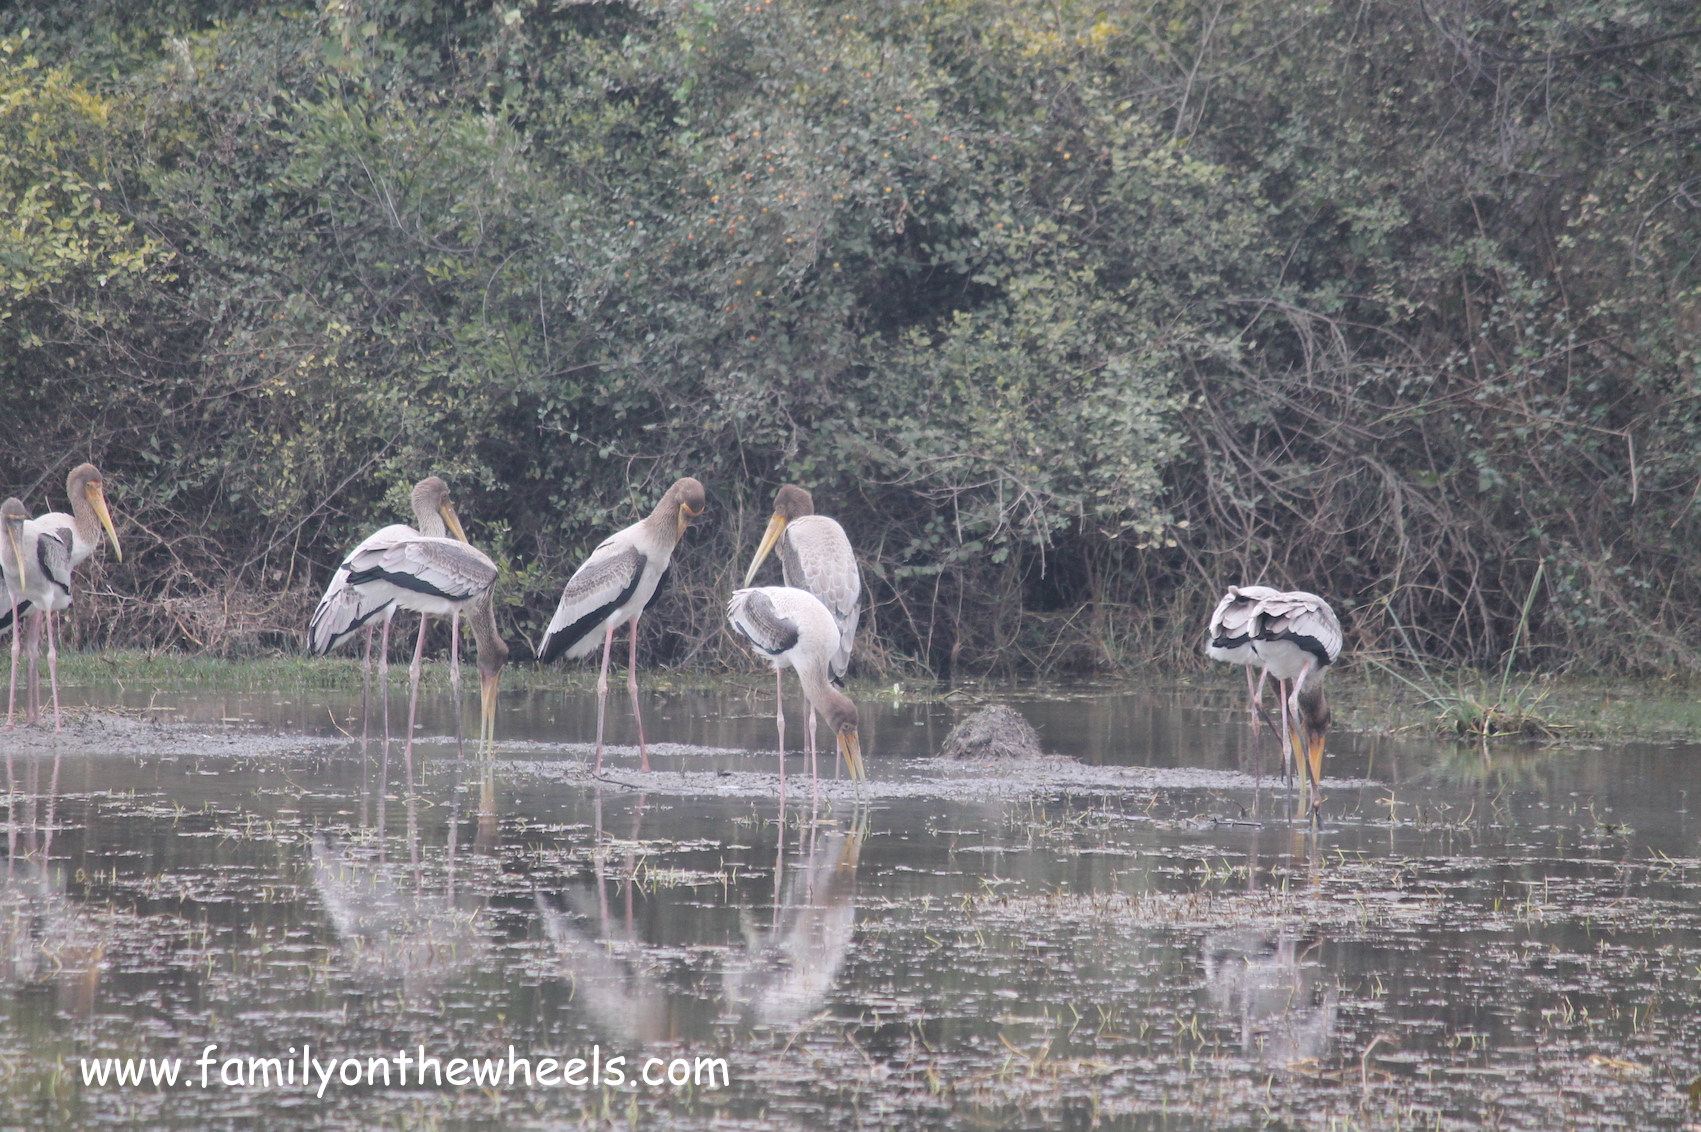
[[1293, 637], [613, 587], [793, 629]]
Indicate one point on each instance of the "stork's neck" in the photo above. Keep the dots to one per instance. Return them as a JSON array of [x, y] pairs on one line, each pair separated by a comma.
[[662, 524], [429, 522], [817, 688], [492, 650]]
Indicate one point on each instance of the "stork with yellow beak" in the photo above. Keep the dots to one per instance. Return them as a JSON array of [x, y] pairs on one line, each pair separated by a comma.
[[794, 630], [1297, 637], [86, 488], [816, 556], [613, 587]]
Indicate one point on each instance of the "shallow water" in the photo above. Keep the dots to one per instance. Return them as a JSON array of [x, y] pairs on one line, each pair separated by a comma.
[[1510, 939]]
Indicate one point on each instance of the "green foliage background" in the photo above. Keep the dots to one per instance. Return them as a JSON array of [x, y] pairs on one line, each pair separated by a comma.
[[1071, 313]]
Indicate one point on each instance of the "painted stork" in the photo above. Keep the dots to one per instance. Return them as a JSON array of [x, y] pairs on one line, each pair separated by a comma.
[[795, 630], [86, 488], [36, 562], [613, 587], [815, 556], [343, 610], [439, 577], [1297, 637]]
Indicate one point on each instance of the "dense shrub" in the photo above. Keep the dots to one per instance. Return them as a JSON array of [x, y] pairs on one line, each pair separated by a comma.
[[1071, 314]]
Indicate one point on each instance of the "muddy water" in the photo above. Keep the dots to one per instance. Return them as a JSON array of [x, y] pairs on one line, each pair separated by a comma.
[[1143, 938]]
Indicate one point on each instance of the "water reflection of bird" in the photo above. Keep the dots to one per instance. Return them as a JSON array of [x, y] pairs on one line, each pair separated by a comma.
[[794, 630], [815, 555], [86, 488], [1285, 1006], [389, 926], [784, 975], [615, 978], [613, 587], [36, 562], [45, 936]]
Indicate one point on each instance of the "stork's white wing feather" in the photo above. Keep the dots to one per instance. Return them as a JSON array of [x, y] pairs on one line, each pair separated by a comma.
[[435, 567], [816, 555], [608, 578]]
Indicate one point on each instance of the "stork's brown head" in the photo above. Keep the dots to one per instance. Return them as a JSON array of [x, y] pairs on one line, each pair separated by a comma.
[[86, 484], [431, 498], [792, 502], [12, 516], [841, 716], [690, 499]]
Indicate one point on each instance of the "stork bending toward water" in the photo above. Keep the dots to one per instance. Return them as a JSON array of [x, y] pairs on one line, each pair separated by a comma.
[[613, 587], [1294, 637], [794, 630]]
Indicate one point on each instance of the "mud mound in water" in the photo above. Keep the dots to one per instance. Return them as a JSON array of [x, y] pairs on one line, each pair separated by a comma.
[[996, 732]]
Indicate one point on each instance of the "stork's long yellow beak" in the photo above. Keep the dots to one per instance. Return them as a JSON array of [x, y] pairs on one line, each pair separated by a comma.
[[686, 514], [17, 548], [1314, 755], [487, 713], [770, 537], [453, 522], [851, 748], [97, 498]]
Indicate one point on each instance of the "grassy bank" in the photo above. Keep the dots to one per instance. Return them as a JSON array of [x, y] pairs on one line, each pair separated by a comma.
[[1366, 697]]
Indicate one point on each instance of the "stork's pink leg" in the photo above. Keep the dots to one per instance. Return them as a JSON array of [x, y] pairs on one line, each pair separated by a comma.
[[384, 680], [809, 739], [455, 678], [780, 720], [12, 692], [53, 669], [413, 690], [602, 690], [1251, 701], [1287, 731], [632, 687], [32, 649]]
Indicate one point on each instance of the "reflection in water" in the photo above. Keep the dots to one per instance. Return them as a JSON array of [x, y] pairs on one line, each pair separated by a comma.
[[390, 926], [784, 975], [45, 936], [614, 977], [1285, 1006]]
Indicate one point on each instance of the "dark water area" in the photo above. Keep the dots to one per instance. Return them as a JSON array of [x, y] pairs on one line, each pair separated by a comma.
[[1150, 939]]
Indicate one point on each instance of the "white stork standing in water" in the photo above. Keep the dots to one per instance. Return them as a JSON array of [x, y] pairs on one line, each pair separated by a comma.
[[399, 567], [433, 577], [815, 556], [1297, 637], [794, 630], [613, 587], [86, 488], [35, 559], [343, 610]]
